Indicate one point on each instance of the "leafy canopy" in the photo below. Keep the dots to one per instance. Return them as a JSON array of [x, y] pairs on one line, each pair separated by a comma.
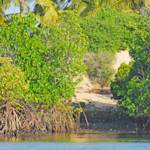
[[112, 30], [133, 86], [51, 57], [13, 85]]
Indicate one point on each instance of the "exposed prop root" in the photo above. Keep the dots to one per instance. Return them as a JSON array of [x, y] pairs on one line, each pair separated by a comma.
[[16, 119], [11, 119]]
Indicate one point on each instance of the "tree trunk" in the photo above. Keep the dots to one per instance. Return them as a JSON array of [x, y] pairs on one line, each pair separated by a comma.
[[22, 4]]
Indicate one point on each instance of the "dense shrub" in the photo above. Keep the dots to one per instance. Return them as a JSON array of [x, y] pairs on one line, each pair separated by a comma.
[[118, 85], [145, 11], [17, 116], [51, 57], [112, 30], [133, 87], [13, 91], [47, 12], [100, 67], [12, 82], [108, 32]]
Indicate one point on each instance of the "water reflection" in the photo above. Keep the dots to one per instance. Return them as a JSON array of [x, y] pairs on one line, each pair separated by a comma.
[[82, 137], [78, 142]]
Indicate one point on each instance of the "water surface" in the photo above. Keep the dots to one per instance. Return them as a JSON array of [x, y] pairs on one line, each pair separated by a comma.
[[74, 146], [88, 141]]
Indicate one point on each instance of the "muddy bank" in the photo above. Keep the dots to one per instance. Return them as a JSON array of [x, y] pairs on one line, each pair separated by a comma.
[[112, 121], [109, 121], [101, 112]]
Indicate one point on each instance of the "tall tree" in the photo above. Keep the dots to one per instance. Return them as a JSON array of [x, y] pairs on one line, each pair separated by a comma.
[[22, 4], [3, 5]]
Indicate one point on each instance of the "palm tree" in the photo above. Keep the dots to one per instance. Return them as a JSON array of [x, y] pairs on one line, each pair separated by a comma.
[[22, 4], [93, 5], [133, 4], [49, 12], [3, 5]]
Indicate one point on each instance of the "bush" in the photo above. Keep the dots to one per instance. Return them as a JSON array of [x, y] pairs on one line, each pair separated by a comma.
[[133, 87], [100, 68], [47, 12], [118, 85], [51, 57], [145, 11], [13, 86], [17, 116], [112, 30], [108, 32]]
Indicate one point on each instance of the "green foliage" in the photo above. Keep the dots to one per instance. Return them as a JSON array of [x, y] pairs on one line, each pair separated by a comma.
[[69, 23], [100, 67], [90, 7], [48, 12], [51, 57], [135, 88], [118, 86], [108, 32], [83, 7], [111, 30], [2, 19], [12, 81], [122, 4], [137, 99]]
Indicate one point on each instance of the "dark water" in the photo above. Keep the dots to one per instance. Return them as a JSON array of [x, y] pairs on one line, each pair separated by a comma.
[[88, 141], [74, 146]]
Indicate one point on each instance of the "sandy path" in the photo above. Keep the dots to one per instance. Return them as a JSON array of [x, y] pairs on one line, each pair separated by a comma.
[[102, 101]]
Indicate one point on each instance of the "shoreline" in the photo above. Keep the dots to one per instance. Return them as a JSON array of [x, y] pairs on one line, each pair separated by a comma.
[[83, 136]]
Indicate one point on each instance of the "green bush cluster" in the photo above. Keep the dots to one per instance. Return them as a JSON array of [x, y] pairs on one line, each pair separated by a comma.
[[13, 85], [118, 85], [132, 84], [111, 30], [100, 67], [50, 57]]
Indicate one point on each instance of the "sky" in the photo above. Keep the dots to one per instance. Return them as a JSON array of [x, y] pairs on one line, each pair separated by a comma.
[[15, 8]]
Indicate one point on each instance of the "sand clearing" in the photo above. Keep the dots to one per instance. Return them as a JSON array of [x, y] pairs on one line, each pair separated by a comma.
[[84, 88]]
